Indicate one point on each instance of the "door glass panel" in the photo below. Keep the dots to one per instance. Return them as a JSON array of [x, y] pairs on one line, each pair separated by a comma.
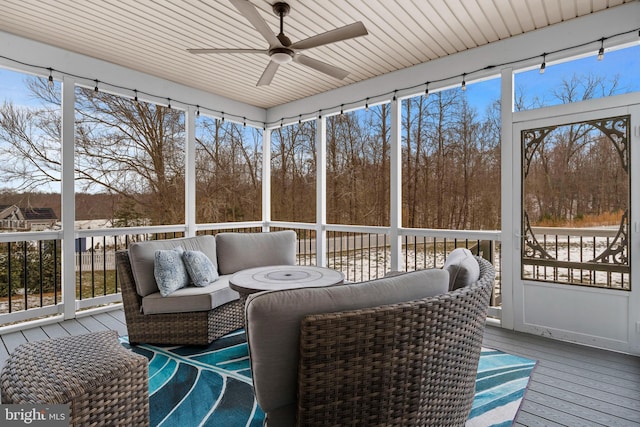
[[576, 199]]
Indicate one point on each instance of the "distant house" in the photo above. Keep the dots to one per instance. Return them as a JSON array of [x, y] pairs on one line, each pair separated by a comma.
[[15, 218]]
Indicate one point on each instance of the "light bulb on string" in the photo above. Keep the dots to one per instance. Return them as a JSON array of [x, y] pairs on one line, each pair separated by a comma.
[[198, 110], [426, 90], [135, 97], [543, 66], [50, 77], [95, 89], [463, 86], [601, 50]]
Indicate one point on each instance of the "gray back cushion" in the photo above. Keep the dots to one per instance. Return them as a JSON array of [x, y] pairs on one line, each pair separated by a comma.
[[142, 254], [238, 251], [273, 320], [462, 267]]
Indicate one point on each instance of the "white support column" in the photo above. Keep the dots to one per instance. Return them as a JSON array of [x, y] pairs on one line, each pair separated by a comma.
[[68, 198], [510, 229], [321, 192], [190, 171], [395, 184], [266, 179]]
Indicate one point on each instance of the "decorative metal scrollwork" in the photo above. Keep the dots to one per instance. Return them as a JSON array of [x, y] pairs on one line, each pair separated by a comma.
[[606, 263], [531, 248], [532, 138], [617, 251], [617, 130]]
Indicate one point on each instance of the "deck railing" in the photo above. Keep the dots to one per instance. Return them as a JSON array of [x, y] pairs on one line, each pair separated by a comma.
[[595, 257], [31, 282]]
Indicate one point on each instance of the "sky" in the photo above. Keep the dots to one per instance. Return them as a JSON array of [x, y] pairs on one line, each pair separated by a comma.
[[623, 62]]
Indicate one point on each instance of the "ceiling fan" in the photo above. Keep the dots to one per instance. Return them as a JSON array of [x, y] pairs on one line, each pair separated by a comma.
[[281, 50]]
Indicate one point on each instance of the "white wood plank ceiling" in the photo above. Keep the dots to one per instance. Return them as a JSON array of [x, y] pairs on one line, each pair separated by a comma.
[[152, 36]]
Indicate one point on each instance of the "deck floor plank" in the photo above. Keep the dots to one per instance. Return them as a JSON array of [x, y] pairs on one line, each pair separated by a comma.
[[13, 340], [614, 397], [111, 323], [35, 334], [55, 331], [118, 314], [571, 385], [73, 327], [92, 324], [533, 414]]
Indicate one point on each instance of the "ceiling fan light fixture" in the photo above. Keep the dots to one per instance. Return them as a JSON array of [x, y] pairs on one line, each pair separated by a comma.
[[281, 56]]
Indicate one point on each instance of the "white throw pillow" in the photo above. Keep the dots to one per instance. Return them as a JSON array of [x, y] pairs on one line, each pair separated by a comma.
[[462, 267]]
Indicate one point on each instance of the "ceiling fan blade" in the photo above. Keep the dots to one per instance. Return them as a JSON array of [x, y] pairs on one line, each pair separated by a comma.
[[268, 73], [201, 51], [350, 31], [249, 11], [323, 67]]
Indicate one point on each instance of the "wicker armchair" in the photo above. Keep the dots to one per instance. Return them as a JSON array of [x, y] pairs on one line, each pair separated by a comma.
[[184, 328], [408, 363]]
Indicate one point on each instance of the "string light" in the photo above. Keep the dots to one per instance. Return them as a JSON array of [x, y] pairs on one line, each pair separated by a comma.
[[601, 51], [244, 122], [135, 98], [426, 90], [394, 95], [300, 119], [342, 109], [464, 83], [281, 122], [169, 103], [320, 114], [50, 77], [444, 79], [197, 110], [544, 63]]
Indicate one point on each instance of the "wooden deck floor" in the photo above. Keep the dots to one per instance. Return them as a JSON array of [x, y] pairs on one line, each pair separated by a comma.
[[572, 385]]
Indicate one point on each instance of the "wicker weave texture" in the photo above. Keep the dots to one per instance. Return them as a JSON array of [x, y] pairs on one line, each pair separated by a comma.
[[407, 364], [105, 384], [188, 328]]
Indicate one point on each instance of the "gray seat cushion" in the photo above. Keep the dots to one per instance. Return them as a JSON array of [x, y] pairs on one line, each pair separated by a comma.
[[142, 254], [462, 267], [191, 298], [273, 325], [239, 251]]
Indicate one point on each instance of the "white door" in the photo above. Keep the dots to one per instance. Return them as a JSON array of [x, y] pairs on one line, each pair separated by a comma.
[[575, 216]]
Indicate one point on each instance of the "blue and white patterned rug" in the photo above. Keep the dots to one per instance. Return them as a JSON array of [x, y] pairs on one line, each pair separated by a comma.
[[211, 386]]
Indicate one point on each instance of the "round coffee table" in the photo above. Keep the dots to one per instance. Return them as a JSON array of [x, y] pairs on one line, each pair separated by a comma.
[[283, 277]]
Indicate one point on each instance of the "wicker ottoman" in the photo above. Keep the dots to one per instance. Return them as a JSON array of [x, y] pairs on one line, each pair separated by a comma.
[[104, 383]]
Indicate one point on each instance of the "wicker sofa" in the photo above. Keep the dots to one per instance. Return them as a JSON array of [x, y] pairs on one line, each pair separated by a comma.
[[402, 350], [194, 315]]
